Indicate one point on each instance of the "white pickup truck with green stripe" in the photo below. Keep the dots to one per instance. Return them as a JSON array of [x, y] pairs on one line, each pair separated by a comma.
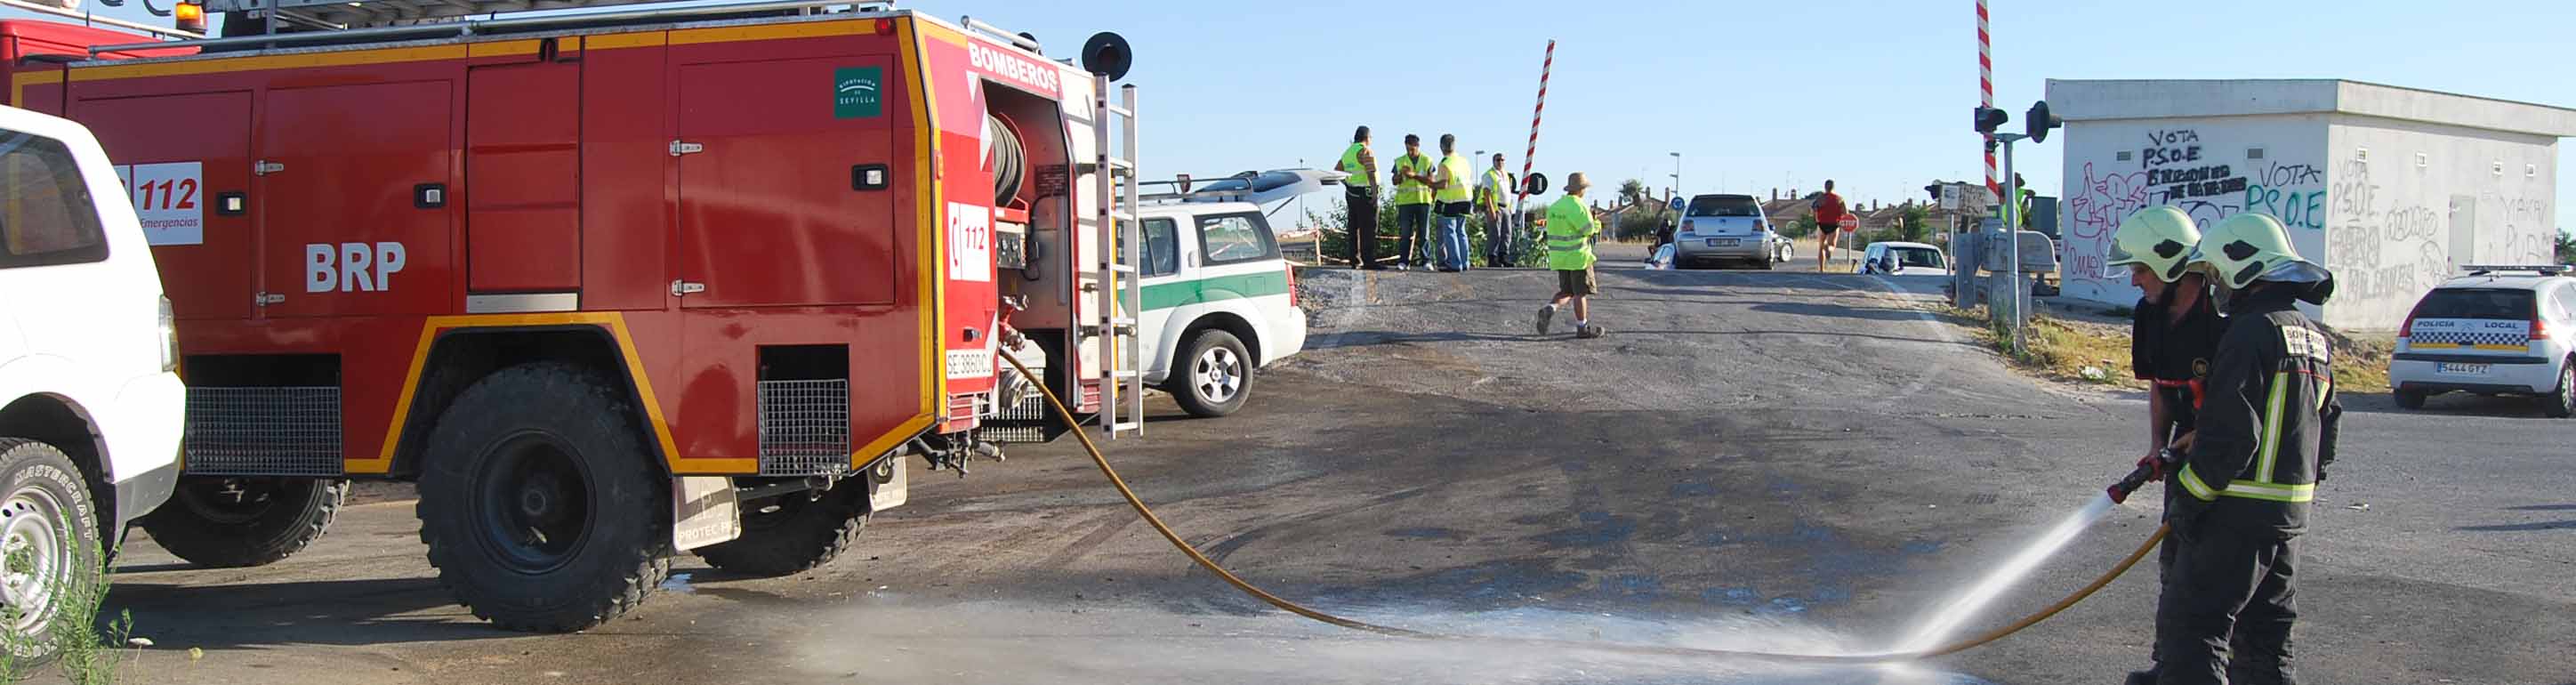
[[1219, 302]]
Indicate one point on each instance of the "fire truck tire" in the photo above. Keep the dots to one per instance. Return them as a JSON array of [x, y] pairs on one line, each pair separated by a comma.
[[793, 533], [540, 503], [52, 534], [1212, 376], [224, 522]]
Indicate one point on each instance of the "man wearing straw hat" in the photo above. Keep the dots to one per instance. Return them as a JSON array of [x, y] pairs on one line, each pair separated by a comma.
[[1570, 229]]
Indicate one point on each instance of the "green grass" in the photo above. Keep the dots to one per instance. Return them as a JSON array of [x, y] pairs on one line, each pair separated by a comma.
[[87, 651], [2061, 350]]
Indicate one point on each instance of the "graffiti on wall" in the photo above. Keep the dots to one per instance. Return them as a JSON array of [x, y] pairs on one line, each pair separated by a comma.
[[2387, 249], [2174, 168]]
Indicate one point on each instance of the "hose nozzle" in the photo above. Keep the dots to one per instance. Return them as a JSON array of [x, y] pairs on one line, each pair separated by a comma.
[[2148, 470]]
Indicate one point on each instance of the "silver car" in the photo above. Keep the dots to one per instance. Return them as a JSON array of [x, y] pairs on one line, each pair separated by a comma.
[[1717, 229]]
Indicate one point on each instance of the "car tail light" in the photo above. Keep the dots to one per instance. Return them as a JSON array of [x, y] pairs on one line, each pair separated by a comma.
[[169, 337], [2407, 329], [1292, 284], [1688, 225], [2539, 328]]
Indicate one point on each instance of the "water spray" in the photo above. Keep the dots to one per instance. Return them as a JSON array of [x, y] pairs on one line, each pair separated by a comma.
[[1936, 630]]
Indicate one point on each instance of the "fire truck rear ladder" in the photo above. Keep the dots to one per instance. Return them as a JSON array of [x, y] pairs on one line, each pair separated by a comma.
[[1122, 388]]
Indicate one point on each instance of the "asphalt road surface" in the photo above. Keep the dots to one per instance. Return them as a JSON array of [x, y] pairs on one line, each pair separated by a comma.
[[1776, 460]]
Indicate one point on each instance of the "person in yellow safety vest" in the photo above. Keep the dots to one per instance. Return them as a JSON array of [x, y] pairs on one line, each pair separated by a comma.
[[1412, 204], [1490, 192], [1570, 230], [1450, 190], [1359, 199]]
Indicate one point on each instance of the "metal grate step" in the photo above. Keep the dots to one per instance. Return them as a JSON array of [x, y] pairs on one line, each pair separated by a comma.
[[804, 427], [268, 431]]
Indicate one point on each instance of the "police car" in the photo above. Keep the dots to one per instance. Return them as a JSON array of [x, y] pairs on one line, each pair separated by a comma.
[[1218, 300], [2498, 330]]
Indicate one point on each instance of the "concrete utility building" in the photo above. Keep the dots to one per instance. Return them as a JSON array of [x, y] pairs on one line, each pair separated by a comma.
[[2392, 188]]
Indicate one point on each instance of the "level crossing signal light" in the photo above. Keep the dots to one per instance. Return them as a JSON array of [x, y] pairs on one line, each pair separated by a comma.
[[1989, 119], [2039, 122]]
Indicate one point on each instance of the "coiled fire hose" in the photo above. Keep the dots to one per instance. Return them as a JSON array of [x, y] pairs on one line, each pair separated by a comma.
[[1283, 604]]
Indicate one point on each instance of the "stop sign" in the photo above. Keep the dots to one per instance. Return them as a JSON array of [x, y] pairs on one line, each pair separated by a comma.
[[1850, 223]]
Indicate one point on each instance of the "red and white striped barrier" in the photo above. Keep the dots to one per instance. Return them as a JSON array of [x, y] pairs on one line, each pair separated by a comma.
[[1986, 88], [1543, 68]]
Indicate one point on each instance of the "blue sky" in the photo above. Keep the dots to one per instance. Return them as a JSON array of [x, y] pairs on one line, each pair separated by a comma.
[[1755, 96]]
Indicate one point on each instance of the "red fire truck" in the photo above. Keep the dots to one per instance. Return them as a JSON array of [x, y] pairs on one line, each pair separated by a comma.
[[609, 286]]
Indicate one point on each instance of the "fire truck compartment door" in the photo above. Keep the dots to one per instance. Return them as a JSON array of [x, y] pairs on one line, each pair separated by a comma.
[[202, 269], [342, 231], [768, 214]]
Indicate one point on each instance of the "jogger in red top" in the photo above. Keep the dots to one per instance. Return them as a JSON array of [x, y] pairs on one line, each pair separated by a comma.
[[1829, 219]]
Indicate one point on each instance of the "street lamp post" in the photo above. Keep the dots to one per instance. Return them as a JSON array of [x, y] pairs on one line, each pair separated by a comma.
[[1677, 174]]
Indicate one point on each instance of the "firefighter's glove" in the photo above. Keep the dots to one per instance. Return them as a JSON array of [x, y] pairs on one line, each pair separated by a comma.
[[2163, 462]]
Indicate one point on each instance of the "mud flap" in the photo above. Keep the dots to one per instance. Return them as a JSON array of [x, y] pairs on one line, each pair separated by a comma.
[[704, 511], [889, 476]]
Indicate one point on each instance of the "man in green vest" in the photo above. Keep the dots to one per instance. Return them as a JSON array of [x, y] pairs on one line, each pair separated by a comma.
[[1412, 204], [1570, 229], [1450, 191], [1359, 199], [1490, 191]]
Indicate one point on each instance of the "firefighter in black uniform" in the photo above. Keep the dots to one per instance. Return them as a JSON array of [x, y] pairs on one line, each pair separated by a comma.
[[2266, 435], [2172, 339]]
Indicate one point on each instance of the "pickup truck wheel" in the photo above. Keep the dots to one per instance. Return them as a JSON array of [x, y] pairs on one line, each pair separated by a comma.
[[793, 533], [1212, 376], [48, 547], [226, 522], [540, 502]]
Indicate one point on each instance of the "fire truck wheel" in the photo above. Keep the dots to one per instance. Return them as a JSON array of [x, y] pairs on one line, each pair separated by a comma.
[[50, 534], [793, 533], [227, 522], [540, 503], [1212, 376]]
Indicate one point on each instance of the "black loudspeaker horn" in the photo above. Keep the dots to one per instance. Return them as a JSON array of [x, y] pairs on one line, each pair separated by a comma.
[[1107, 54]]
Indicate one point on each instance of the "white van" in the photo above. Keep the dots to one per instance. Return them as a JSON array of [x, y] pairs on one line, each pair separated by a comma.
[[1219, 302], [91, 408]]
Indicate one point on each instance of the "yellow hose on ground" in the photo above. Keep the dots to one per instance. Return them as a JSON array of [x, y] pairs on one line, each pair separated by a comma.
[[1292, 607]]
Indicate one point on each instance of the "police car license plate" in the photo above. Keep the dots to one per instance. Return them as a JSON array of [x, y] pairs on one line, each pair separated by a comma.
[[1721, 242], [2456, 369]]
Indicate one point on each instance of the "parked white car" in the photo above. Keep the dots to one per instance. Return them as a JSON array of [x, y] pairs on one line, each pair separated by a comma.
[[1219, 302], [91, 407], [2500, 330], [1893, 258]]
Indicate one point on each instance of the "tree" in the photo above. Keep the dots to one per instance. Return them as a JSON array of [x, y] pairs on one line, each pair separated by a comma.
[[2566, 247], [1918, 222], [1632, 192]]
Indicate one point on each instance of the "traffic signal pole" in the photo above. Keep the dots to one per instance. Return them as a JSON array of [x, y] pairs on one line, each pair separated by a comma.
[[2012, 236]]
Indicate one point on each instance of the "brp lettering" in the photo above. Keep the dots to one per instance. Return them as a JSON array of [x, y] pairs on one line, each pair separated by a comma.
[[351, 267]]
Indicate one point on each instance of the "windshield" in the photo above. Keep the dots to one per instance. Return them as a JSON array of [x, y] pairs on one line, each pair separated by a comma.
[[1916, 256], [1724, 205], [2475, 303]]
